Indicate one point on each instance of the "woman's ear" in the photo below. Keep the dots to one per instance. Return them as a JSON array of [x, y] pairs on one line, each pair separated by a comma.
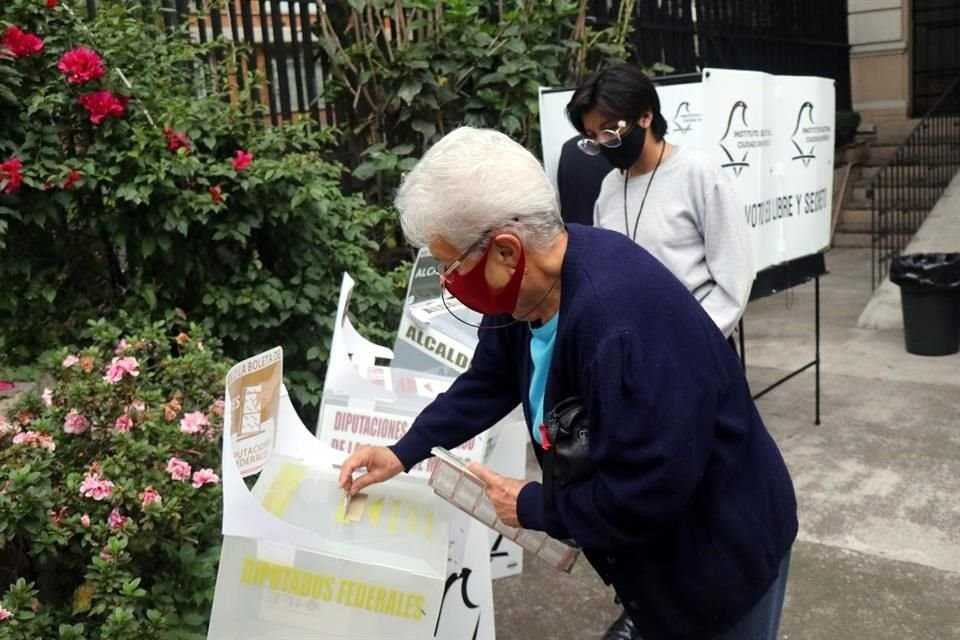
[[507, 249]]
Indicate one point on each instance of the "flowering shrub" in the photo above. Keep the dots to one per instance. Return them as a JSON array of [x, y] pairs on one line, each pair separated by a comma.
[[167, 193], [109, 492]]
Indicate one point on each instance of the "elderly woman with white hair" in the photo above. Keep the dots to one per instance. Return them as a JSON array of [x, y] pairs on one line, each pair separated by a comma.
[[687, 509]]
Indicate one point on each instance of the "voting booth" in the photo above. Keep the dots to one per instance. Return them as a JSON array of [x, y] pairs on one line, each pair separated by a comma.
[[773, 137]]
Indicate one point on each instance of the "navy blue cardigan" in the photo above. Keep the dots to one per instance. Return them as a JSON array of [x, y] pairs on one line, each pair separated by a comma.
[[692, 507]]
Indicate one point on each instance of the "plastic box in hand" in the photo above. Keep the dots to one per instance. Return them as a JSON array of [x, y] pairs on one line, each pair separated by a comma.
[[453, 482]]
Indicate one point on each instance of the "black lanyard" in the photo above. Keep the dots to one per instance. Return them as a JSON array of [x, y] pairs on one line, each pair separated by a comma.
[[626, 177]]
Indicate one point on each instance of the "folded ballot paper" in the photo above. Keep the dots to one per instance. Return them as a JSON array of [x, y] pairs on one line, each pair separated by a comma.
[[452, 481]]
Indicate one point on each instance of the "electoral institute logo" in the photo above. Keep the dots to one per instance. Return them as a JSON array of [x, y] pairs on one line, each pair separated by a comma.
[[807, 134], [740, 139]]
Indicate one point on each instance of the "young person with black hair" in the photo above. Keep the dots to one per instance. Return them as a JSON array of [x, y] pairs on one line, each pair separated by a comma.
[[672, 200]]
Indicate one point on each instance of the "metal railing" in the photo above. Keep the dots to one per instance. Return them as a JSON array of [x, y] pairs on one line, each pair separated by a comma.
[[909, 184]]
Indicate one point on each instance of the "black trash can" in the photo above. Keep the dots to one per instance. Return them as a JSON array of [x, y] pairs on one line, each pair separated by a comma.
[[930, 296]]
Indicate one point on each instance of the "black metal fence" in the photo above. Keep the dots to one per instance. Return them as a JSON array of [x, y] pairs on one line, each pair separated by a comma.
[[790, 37], [911, 182], [281, 46], [798, 37]]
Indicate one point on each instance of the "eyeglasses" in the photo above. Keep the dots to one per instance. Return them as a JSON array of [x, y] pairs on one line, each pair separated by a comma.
[[448, 273], [609, 138]]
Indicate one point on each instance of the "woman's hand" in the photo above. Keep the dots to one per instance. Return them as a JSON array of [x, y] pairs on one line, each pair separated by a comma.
[[502, 492], [381, 464]]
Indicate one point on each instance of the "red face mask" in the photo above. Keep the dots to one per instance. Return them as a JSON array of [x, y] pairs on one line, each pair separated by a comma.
[[473, 291]]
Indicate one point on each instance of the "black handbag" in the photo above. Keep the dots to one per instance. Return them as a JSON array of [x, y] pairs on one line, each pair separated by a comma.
[[566, 447]]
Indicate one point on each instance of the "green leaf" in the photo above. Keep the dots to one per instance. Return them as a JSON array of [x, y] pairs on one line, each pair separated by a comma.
[[403, 149], [409, 90]]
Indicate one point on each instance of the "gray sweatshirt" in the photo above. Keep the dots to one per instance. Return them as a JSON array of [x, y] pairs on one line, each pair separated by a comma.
[[693, 223]]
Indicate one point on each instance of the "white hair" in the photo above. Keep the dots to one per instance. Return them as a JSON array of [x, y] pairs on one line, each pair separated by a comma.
[[472, 182]]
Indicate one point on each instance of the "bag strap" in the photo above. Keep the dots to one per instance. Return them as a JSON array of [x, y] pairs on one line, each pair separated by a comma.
[[549, 454]]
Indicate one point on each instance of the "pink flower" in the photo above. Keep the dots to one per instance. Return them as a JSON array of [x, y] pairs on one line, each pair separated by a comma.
[[70, 360], [103, 105], [105, 555], [178, 469], [81, 65], [116, 521], [123, 424], [148, 497], [216, 192], [137, 406], [58, 516], [242, 160], [35, 439], [176, 141], [94, 486], [120, 366], [75, 423], [205, 476], [85, 520], [10, 172], [122, 346], [5, 615], [47, 396], [193, 422], [217, 407], [20, 43]]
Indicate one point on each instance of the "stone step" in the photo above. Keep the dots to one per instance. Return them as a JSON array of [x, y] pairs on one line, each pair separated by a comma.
[[894, 131], [880, 154], [891, 195], [855, 220], [846, 240], [909, 171], [861, 221]]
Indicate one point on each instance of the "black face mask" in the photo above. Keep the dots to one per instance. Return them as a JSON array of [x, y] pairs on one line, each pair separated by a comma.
[[631, 146]]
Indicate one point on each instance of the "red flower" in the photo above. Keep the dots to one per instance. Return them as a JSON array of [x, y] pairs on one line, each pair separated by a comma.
[[51, 4], [216, 193], [10, 173], [81, 65], [242, 160], [176, 141], [103, 104], [73, 178], [20, 43]]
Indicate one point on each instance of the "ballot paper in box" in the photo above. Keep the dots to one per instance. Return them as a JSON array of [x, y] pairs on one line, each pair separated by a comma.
[[294, 563]]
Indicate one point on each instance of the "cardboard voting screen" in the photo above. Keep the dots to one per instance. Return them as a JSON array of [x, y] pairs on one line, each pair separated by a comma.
[[292, 565], [365, 403]]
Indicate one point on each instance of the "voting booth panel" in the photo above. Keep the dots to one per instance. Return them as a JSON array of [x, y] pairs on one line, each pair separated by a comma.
[[292, 564], [363, 403], [772, 136]]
